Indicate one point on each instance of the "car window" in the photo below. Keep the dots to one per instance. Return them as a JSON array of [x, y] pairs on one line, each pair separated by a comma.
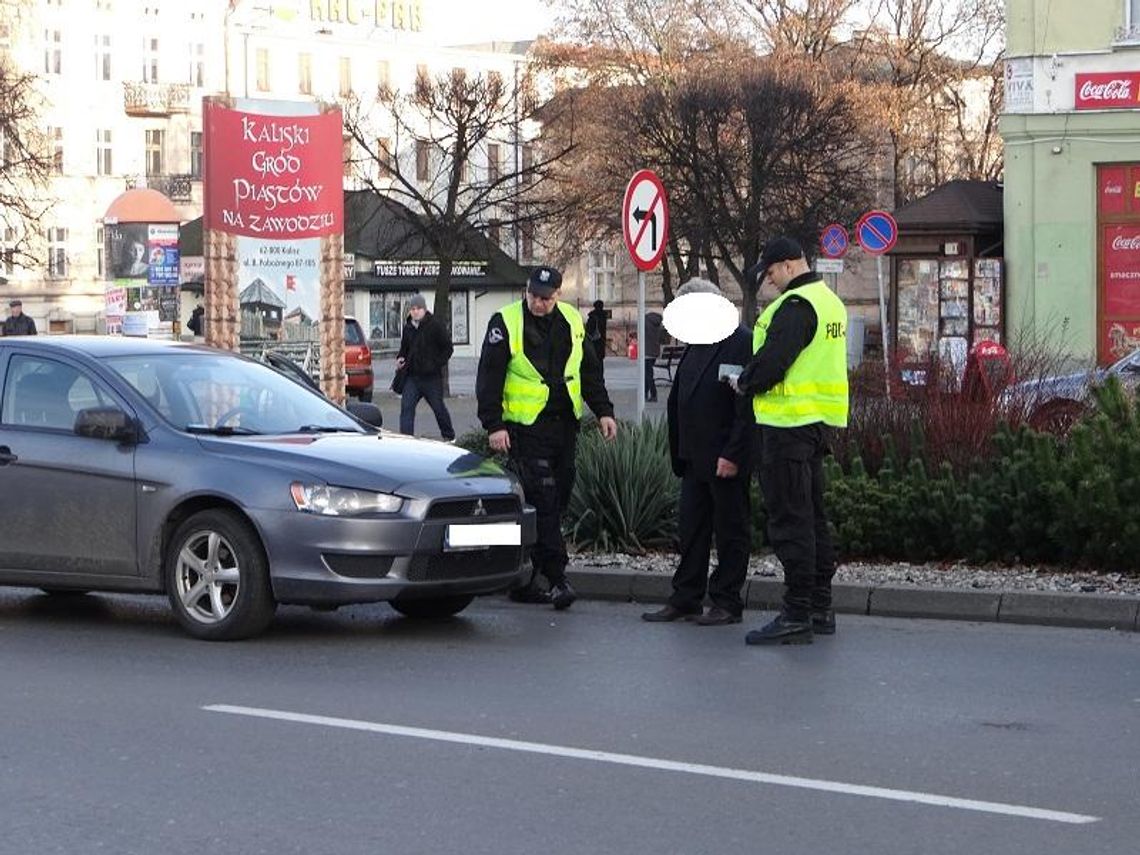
[[48, 394], [222, 391], [353, 334]]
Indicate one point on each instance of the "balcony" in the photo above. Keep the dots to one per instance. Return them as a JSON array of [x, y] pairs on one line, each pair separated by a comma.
[[156, 99], [176, 188]]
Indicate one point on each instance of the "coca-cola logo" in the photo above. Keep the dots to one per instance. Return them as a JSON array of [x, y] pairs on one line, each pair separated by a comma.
[[1113, 189], [1121, 243], [1112, 90]]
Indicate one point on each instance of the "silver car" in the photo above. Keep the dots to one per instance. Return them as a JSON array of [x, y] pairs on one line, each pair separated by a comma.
[[146, 466], [1054, 404]]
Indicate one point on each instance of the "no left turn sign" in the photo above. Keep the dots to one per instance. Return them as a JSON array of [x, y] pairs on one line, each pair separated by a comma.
[[645, 219]]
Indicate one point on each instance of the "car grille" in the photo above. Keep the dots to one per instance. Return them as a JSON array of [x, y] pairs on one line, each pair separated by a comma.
[[496, 560], [464, 508], [359, 566]]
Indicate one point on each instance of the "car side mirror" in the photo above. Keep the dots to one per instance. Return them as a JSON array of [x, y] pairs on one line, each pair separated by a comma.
[[367, 413], [106, 423]]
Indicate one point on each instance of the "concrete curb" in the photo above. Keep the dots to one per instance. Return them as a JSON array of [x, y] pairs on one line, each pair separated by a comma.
[[1043, 608]]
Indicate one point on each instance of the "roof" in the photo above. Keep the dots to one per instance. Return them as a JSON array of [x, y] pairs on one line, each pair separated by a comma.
[[108, 345], [141, 205], [957, 206], [258, 293]]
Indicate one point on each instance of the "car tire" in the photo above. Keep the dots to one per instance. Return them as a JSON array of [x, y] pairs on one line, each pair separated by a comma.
[[235, 600], [366, 395], [431, 608]]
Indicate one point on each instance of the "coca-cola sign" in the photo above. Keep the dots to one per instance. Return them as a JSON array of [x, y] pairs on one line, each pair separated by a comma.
[[1117, 90], [1120, 243], [1121, 260]]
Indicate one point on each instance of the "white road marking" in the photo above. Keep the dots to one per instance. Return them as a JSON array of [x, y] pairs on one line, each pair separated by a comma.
[[662, 765]]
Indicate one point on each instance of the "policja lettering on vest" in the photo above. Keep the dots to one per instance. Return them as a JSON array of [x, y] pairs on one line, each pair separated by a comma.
[[797, 380], [533, 381]]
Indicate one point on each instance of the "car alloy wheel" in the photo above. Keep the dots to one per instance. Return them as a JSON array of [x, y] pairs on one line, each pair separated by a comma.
[[217, 577]]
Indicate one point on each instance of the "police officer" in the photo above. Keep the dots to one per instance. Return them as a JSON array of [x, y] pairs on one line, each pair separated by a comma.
[[534, 375], [797, 379], [17, 323]]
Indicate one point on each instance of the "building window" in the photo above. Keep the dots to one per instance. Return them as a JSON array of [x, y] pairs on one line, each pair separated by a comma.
[[262, 70], [8, 252], [198, 65], [53, 51], [384, 157], [383, 75], [155, 162], [150, 60], [345, 77], [305, 74], [195, 154], [421, 160], [103, 152], [57, 253], [494, 162], [102, 57], [602, 270], [5, 34], [55, 137], [100, 252]]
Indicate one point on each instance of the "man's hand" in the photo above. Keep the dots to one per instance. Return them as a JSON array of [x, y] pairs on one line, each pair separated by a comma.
[[726, 468], [608, 427], [500, 441]]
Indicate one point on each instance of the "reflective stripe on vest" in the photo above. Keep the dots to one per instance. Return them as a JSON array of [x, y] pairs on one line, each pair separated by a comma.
[[525, 393], [815, 387]]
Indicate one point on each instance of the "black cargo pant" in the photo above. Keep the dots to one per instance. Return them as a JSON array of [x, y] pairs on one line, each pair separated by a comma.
[[791, 479], [542, 455]]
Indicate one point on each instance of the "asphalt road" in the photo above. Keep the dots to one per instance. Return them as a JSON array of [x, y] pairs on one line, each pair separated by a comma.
[[513, 729]]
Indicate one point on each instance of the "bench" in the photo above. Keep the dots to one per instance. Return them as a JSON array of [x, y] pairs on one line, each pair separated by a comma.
[[667, 361]]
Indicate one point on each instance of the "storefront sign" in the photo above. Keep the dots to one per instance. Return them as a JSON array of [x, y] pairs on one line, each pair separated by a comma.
[[1118, 90], [191, 268], [385, 14], [427, 267], [1121, 253]]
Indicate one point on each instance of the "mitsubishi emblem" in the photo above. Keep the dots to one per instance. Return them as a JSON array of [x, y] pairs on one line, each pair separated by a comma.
[[479, 511]]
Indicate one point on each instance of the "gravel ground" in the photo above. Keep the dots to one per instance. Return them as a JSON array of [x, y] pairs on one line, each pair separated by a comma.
[[960, 575]]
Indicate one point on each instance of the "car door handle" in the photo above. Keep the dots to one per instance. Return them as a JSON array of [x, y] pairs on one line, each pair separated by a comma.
[[6, 456]]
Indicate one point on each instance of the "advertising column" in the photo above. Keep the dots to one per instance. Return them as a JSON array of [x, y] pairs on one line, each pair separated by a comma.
[[274, 226], [1118, 261]]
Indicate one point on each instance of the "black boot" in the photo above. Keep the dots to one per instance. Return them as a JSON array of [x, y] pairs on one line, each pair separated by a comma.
[[823, 621], [782, 630]]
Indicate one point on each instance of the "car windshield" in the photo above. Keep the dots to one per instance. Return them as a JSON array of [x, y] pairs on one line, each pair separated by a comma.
[[222, 394]]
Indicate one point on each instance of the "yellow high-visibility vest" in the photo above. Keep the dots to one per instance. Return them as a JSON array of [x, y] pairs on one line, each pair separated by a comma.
[[525, 393], [815, 387]]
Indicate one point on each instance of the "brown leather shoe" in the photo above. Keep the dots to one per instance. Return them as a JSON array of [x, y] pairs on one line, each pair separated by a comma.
[[716, 616], [668, 613]]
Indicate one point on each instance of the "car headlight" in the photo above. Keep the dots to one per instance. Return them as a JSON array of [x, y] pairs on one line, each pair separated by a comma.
[[342, 501]]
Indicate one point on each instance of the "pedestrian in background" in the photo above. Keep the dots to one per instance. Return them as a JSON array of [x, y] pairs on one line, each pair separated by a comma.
[[797, 381], [651, 352], [17, 323], [535, 373], [710, 438], [425, 349], [596, 322]]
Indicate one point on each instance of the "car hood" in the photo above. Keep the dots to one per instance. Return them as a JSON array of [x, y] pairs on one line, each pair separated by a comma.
[[384, 461]]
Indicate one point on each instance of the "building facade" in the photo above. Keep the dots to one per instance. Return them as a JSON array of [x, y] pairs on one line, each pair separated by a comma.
[[1071, 127]]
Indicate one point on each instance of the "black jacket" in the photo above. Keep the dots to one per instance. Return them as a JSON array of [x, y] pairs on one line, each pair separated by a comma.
[[546, 343], [22, 325], [426, 348], [707, 419]]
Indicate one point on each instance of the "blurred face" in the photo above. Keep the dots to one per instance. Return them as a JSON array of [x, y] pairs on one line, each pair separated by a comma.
[[417, 313], [542, 306]]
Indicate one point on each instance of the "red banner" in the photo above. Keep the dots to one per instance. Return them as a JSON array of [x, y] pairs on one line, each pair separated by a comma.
[[1122, 271], [273, 177], [1116, 90]]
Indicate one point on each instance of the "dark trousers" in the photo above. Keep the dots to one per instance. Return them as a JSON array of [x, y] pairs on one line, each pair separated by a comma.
[[431, 389], [543, 458], [650, 382], [797, 529], [712, 507]]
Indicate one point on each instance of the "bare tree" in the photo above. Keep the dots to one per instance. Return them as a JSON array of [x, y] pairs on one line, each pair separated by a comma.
[[459, 152]]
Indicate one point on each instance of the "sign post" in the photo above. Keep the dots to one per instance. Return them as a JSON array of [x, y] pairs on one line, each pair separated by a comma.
[[645, 228], [877, 233]]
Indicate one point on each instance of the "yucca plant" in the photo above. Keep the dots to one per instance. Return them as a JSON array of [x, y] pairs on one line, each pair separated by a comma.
[[625, 495]]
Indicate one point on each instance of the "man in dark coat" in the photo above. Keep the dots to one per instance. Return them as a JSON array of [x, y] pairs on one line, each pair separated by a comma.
[[17, 323], [651, 352], [424, 352], [596, 328], [710, 438]]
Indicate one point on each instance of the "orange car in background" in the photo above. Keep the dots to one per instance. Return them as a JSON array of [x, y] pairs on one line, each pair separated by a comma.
[[357, 361]]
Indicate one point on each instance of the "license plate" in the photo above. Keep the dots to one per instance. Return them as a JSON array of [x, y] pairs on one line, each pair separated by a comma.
[[479, 535]]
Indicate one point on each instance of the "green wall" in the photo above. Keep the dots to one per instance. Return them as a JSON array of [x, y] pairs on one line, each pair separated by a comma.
[[1044, 27]]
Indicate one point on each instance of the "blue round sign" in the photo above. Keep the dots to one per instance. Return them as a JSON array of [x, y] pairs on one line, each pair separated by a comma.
[[877, 232], [833, 241]]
